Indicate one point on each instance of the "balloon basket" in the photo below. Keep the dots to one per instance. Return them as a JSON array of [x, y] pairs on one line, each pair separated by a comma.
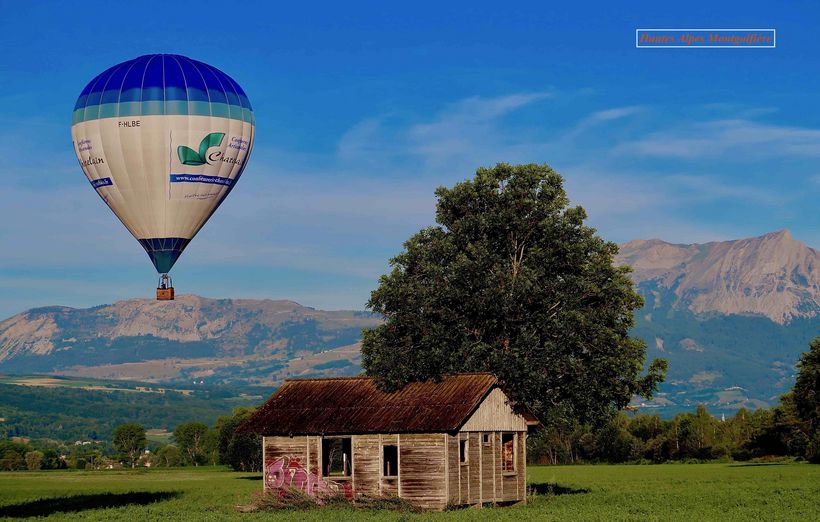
[[165, 288]]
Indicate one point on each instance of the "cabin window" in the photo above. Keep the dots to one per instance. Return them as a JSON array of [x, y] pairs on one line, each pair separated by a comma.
[[508, 451], [462, 451], [390, 458], [485, 438], [337, 459]]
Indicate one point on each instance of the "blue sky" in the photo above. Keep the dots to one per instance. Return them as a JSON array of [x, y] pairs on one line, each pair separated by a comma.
[[364, 109]]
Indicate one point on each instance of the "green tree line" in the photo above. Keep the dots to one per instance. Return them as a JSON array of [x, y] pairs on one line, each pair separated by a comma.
[[68, 414], [789, 429], [194, 444]]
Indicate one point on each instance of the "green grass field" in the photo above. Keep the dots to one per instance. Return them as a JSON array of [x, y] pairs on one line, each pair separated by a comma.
[[698, 492]]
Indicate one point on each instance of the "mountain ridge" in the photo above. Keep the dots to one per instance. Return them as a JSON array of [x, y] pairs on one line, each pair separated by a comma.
[[248, 336], [727, 347], [772, 275]]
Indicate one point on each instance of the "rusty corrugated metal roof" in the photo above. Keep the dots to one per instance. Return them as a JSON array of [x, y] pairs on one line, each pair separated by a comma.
[[355, 405]]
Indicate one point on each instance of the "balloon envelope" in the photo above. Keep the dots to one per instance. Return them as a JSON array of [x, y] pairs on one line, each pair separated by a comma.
[[163, 139]]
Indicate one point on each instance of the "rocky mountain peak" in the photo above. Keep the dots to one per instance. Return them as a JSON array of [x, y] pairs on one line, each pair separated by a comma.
[[772, 275]]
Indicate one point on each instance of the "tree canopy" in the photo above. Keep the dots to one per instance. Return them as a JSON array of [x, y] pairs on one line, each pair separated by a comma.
[[512, 282], [130, 441], [241, 451], [806, 397], [191, 439], [807, 386]]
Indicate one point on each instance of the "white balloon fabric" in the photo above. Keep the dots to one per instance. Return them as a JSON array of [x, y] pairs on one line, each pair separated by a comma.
[[163, 139]]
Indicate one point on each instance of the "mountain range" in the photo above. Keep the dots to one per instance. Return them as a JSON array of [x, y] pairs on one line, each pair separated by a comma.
[[773, 276], [192, 338], [731, 317]]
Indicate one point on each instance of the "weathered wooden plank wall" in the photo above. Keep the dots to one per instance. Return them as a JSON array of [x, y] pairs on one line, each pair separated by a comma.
[[366, 458], [487, 474], [453, 470], [498, 484], [421, 469], [463, 473], [287, 447], [431, 474], [314, 451], [495, 414], [475, 468]]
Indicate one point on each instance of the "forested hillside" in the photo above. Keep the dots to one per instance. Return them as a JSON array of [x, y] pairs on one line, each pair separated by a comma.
[[69, 412]]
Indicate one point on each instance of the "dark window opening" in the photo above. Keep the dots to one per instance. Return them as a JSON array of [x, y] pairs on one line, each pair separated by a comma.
[[462, 451], [485, 438], [508, 452], [390, 457], [336, 457]]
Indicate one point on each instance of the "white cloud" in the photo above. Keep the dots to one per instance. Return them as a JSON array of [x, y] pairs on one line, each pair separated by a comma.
[[614, 114], [601, 117], [360, 140], [468, 131], [712, 188], [719, 137]]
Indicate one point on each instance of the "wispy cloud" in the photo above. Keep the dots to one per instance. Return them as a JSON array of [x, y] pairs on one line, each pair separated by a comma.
[[595, 119], [613, 114], [359, 140], [707, 188], [720, 137], [468, 129]]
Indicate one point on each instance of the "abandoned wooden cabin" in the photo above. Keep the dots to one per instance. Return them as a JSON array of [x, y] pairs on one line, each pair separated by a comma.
[[454, 442]]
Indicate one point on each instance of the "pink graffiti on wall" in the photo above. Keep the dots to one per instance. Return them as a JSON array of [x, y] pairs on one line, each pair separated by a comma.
[[288, 472]]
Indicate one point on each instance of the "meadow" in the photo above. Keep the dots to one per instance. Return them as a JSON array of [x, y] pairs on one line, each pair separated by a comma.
[[698, 492]]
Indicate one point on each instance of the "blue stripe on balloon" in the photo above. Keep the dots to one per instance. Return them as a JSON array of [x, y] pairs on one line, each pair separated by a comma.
[[162, 84]]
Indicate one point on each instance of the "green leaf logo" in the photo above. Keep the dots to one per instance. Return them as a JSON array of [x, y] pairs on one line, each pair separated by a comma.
[[189, 156]]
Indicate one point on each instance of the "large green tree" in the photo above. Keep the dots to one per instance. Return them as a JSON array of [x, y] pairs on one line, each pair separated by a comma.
[[168, 456], [241, 451], [806, 397], [191, 439], [512, 282], [807, 387], [130, 441]]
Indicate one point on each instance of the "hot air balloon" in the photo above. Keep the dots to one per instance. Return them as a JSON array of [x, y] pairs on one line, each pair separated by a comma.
[[163, 139]]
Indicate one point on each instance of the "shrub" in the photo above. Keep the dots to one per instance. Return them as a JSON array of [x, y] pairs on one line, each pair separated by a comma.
[[34, 460]]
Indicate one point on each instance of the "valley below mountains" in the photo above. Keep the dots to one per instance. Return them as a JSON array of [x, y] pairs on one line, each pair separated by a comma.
[[731, 317]]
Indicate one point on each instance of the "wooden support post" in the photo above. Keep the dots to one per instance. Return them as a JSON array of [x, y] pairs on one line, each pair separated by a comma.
[[467, 466], [458, 452], [381, 464], [525, 466], [352, 471], [495, 465], [307, 453], [480, 470], [263, 465], [446, 471]]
